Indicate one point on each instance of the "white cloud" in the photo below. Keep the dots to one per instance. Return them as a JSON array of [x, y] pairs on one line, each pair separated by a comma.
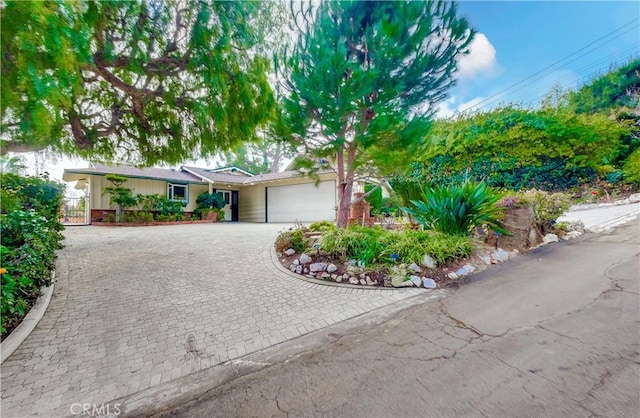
[[481, 58]]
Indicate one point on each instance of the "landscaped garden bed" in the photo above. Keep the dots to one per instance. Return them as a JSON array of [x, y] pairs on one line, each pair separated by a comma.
[[463, 229], [155, 223], [30, 236], [373, 256]]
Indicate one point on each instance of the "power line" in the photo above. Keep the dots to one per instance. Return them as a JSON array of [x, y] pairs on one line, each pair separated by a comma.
[[593, 68], [558, 62], [538, 78], [499, 96], [619, 62]]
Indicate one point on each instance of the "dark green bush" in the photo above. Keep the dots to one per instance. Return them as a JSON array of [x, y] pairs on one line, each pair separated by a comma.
[[166, 207], [551, 174], [457, 209], [29, 237], [208, 200]]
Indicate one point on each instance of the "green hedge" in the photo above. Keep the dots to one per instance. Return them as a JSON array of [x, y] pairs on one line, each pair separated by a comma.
[[551, 174], [29, 237], [549, 149]]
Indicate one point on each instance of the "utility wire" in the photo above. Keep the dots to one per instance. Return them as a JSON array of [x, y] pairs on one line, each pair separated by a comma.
[[538, 78], [499, 96], [616, 63], [596, 67], [557, 62]]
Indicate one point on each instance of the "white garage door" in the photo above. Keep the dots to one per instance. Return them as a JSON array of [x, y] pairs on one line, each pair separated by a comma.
[[302, 202]]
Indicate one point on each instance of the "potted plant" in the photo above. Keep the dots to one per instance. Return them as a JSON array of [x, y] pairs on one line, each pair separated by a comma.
[[210, 206], [209, 214]]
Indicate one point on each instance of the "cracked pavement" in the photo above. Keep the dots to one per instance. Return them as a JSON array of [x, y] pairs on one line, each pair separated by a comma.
[[554, 332]]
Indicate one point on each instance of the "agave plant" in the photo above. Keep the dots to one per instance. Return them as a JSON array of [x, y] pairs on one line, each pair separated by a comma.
[[457, 209]]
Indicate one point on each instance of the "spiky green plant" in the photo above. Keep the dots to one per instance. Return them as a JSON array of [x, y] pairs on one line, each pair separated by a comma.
[[457, 209]]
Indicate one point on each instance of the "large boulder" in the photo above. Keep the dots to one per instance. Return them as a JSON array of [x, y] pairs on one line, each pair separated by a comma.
[[520, 222]]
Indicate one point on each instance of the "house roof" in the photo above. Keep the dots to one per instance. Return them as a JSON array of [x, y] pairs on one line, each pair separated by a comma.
[[184, 174], [283, 175], [215, 177], [134, 172], [230, 169]]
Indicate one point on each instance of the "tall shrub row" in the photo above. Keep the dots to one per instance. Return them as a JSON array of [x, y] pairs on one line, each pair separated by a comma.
[[29, 237]]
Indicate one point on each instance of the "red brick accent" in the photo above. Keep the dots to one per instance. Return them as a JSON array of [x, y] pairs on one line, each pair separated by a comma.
[[360, 212], [99, 215]]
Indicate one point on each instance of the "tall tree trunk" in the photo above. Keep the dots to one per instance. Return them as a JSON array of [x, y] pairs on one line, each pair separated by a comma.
[[275, 164], [345, 185], [119, 212]]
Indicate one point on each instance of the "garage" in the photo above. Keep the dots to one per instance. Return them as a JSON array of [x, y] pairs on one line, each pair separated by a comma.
[[301, 202]]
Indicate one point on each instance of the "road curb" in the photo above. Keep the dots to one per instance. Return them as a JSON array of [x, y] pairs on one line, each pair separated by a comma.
[[22, 331], [612, 223]]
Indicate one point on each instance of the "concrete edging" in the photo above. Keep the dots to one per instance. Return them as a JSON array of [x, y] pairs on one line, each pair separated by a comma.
[[22, 331], [612, 223]]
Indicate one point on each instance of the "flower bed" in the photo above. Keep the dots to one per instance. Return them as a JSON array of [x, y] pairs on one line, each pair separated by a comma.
[[30, 235], [372, 256]]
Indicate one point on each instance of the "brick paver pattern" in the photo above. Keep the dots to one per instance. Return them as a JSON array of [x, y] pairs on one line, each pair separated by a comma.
[[136, 307]]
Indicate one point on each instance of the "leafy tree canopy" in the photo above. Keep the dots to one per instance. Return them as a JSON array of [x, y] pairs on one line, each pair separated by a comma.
[[264, 156], [144, 81], [364, 78], [615, 89]]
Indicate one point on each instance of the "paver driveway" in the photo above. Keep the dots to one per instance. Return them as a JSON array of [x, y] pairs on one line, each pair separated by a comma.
[[136, 307]]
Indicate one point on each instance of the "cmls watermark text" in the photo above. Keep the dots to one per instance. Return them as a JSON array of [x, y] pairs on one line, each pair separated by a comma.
[[92, 409]]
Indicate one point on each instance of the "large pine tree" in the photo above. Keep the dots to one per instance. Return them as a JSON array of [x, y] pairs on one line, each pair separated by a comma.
[[148, 81], [364, 79]]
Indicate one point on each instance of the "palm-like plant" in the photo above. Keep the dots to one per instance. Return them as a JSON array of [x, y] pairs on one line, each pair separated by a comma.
[[457, 209]]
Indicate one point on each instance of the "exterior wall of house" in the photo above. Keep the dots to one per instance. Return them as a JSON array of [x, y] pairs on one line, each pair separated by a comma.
[[251, 199], [251, 204], [100, 200], [195, 190]]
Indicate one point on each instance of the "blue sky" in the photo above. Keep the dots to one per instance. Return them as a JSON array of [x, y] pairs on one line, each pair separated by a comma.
[[517, 39]]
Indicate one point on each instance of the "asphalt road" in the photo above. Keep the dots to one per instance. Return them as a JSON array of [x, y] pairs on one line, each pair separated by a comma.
[[554, 333]]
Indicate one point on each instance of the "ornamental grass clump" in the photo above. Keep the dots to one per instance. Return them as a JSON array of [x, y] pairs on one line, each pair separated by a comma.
[[382, 247], [457, 209]]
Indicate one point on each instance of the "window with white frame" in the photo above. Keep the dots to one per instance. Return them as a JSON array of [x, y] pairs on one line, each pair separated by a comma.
[[179, 192]]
